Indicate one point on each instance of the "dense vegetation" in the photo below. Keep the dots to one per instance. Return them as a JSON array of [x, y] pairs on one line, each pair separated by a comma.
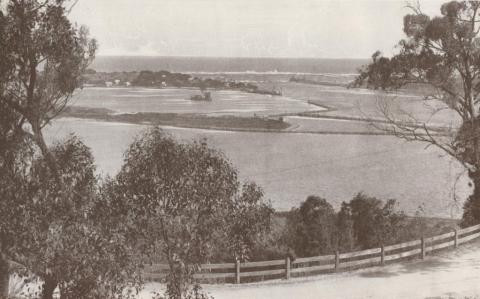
[[315, 228], [179, 202], [163, 79], [42, 58]]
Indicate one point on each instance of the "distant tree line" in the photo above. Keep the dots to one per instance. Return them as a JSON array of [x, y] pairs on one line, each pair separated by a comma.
[[163, 79]]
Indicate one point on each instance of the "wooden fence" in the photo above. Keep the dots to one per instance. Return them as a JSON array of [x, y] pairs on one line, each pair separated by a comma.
[[285, 268]]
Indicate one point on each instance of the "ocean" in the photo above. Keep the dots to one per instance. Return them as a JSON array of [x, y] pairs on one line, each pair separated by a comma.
[[228, 65]]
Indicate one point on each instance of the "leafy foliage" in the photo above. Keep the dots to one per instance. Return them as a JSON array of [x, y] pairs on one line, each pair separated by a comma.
[[248, 222], [345, 236], [57, 235], [14, 152], [179, 199], [43, 57], [364, 222], [375, 223], [312, 228]]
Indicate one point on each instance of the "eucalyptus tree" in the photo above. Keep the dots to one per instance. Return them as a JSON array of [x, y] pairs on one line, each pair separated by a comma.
[[14, 153], [178, 201], [42, 58], [440, 54]]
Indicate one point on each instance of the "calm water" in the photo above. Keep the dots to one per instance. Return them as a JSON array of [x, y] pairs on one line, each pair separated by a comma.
[[292, 166], [221, 64], [129, 100]]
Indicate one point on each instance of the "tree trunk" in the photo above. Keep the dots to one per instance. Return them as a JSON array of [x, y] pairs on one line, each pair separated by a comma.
[[471, 209], [47, 154], [49, 287], [175, 284], [4, 278]]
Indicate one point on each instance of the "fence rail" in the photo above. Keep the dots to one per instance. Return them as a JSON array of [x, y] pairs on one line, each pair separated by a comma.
[[285, 268]]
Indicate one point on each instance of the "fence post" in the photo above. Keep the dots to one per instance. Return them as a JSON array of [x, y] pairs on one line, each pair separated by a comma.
[[287, 267], [455, 242], [237, 271], [423, 253], [337, 260], [383, 255]]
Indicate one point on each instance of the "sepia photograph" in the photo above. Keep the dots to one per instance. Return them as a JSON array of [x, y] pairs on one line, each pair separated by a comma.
[[239, 149]]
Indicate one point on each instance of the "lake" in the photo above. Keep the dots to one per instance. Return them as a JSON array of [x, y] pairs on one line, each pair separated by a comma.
[[291, 166], [175, 100]]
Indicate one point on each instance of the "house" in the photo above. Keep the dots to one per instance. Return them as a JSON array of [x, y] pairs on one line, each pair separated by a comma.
[[108, 84], [117, 82]]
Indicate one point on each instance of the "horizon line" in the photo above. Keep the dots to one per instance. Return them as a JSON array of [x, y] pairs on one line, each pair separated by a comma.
[[230, 57]]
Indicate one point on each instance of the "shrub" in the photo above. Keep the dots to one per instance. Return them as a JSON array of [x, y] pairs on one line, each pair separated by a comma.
[[375, 223], [311, 228]]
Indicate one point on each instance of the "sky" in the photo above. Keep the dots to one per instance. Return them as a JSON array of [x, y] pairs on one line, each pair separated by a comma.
[[246, 28]]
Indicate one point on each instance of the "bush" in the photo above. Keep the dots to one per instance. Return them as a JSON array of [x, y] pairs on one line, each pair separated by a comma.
[[311, 228], [364, 222], [345, 236], [375, 223]]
